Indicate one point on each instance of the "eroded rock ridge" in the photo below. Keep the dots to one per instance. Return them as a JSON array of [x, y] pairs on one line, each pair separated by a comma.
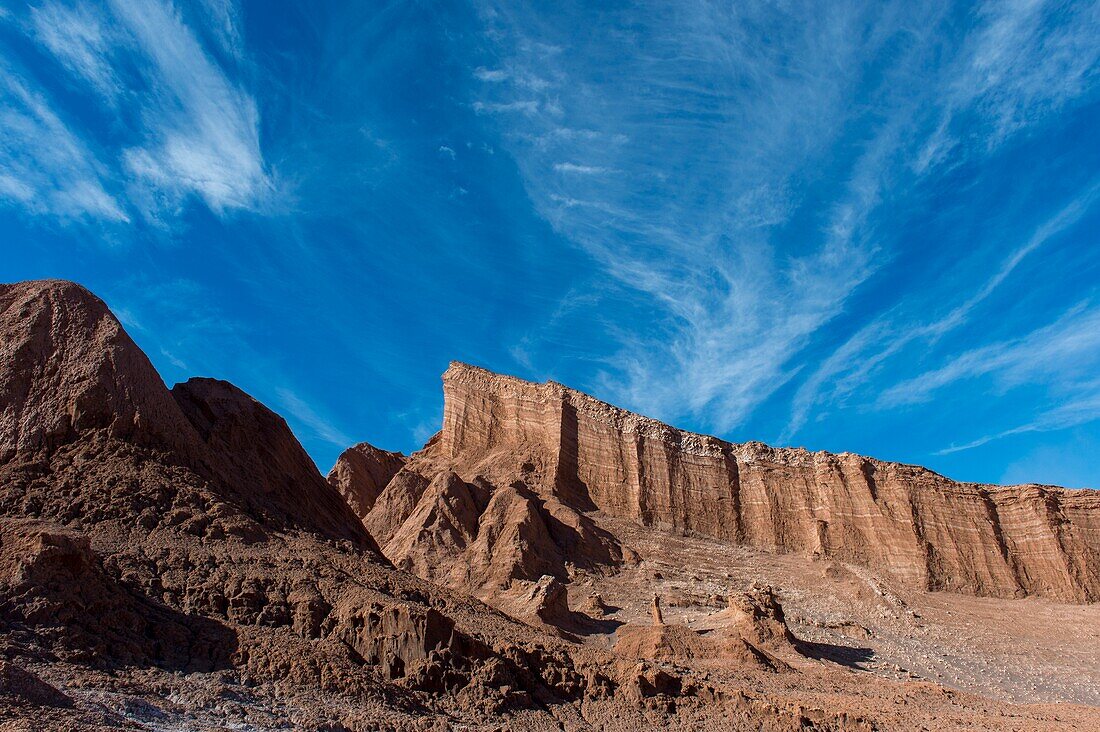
[[920, 527]]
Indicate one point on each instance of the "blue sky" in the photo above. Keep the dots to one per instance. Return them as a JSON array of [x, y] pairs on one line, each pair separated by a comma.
[[858, 226]]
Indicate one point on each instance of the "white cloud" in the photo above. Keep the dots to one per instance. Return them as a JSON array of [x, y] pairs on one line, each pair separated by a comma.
[[714, 135], [303, 413], [81, 39], [1023, 60], [187, 128], [1062, 352], [202, 130], [1079, 409], [224, 20], [706, 128], [44, 166], [850, 365], [579, 169], [524, 106], [490, 75]]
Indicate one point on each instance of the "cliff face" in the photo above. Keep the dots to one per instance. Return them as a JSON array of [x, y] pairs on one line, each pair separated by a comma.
[[920, 527]]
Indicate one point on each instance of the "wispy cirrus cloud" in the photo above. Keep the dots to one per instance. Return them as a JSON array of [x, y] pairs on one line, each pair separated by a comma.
[[1027, 59], [1064, 351], [579, 168], [224, 20], [180, 126], [201, 129], [714, 118], [1080, 408], [45, 166], [709, 129], [865, 352], [82, 41], [303, 413]]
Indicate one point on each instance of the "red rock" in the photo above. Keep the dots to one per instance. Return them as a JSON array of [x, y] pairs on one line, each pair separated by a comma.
[[175, 559], [907, 521]]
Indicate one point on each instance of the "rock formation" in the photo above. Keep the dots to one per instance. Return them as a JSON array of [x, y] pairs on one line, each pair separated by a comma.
[[257, 454], [751, 632], [482, 532], [147, 535], [68, 367], [595, 607], [173, 559], [360, 474], [658, 616], [906, 521]]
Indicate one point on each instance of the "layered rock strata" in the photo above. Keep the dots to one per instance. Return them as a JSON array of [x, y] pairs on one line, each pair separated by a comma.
[[920, 527]]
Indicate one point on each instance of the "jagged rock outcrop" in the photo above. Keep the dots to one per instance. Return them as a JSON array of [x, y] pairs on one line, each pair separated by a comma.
[[484, 532], [362, 472], [546, 601], [758, 616], [918, 526], [750, 632]]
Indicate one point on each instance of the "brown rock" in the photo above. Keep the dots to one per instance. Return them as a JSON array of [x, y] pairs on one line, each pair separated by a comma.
[[68, 368], [918, 526], [546, 600], [175, 560], [252, 449], [478, 536], [362, 472], [595, 607], [193, 534]]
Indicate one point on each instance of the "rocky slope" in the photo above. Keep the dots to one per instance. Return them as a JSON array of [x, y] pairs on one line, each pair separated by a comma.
[[902, 520], [173, 560]]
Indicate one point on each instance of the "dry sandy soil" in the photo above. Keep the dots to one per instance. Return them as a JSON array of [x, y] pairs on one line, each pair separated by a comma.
[[1031, 651]]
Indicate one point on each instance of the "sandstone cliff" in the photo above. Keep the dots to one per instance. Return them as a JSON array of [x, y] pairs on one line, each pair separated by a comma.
[[918, 526]]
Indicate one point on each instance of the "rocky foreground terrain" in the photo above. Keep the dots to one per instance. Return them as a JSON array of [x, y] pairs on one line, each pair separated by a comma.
[[172, 559]]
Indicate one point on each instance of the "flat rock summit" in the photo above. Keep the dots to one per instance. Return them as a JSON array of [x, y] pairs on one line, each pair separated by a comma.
[[171, 558]]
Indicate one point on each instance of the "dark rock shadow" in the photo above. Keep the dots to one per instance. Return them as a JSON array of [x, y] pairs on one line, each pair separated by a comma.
[[569, 487], [584, 625], [848, 656], [66, 599]]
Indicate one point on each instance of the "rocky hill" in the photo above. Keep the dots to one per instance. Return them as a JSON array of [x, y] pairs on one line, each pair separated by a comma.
[[171, 559], [180, 544]]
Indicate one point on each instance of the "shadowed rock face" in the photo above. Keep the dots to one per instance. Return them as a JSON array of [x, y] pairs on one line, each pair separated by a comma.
[[252, 448], [920, 527], [360, 474]]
